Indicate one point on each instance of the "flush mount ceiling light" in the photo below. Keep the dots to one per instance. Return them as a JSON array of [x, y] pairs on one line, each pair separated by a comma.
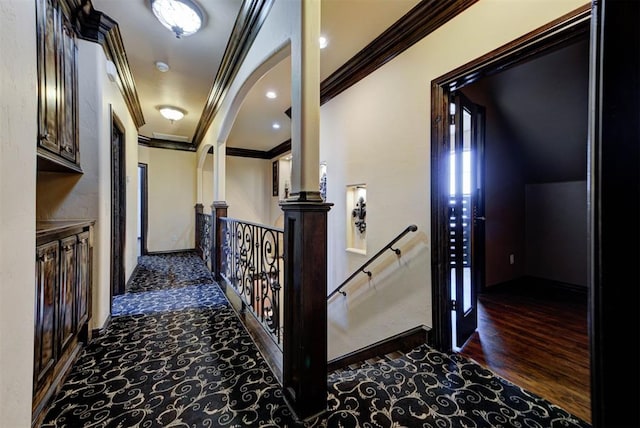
[[275, 125], [271, 94], [183, 17], [162, 67], [172, 113]]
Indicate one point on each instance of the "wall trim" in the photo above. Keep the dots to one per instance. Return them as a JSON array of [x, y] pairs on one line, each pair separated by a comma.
[[278, 150], [252, 15], [404, 342], [99, 331], [158, 143], [415, 25], [95, 26]]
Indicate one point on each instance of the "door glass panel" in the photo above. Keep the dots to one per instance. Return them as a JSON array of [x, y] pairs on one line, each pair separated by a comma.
[[466, 210]]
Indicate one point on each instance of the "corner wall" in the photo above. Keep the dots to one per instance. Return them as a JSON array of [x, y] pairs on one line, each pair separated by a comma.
[[18, 132]]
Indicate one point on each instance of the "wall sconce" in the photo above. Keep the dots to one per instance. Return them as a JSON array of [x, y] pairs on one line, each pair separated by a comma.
[[359, 213]]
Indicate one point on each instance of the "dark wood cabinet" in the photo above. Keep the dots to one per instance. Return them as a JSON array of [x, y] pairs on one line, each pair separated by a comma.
[[62, 306], [58, 148]]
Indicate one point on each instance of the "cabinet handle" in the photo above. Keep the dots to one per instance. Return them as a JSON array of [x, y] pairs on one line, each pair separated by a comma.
[[67, 149], [67, 247], [45, 136], [44, 258]]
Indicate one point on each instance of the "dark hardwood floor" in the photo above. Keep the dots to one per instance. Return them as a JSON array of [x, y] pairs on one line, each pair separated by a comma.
[[535, 335]]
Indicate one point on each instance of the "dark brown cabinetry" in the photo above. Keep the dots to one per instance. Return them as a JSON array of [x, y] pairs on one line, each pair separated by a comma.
[[57, 88], [62, 306]]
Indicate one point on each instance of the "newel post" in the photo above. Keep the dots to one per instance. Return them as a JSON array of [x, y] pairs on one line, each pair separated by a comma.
[[199, 210], [305, 306], [218, 210]]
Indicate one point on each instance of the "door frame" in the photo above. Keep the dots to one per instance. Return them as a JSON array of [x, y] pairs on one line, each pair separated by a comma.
[[143, 187], [118, 206], [557, 34]]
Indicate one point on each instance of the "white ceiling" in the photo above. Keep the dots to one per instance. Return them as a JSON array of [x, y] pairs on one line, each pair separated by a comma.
[[349, 26]]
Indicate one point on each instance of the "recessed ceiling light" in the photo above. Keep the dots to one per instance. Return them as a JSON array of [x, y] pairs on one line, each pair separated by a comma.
[[275, 125], [323, 42], [172, 113], [162, 66], [183, 17], [271, 94]]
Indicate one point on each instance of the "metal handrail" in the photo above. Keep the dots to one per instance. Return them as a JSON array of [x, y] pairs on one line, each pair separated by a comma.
[[389, 246]]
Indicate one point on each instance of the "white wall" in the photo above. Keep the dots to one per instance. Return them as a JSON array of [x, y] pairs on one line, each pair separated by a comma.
[[172, 197], [378, 133], [249, 189], [18, 131], [88, 195], [556, 231], [207, 183]]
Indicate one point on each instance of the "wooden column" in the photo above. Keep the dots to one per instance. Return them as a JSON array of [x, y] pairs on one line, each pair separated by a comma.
[[218, 209], [305, 307], [199, 210]]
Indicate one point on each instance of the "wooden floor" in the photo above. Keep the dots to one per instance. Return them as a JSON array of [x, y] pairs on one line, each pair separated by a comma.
[[536, 337]]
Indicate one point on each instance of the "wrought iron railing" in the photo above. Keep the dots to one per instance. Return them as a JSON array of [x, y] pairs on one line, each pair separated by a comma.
[[361, 269], [253, 264], [204, 228]]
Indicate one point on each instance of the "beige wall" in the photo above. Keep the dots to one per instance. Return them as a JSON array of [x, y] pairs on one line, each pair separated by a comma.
[[392, 159], [249, 189], [18, 130], [207, 183], [172, 197]]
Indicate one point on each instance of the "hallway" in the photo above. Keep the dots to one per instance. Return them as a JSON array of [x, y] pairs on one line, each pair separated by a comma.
[[176, 354]]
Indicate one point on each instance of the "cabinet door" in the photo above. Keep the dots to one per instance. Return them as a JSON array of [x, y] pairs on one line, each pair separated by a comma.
[[83, 289], [66, 293], [68, 83], [48, 22], [47, 257]]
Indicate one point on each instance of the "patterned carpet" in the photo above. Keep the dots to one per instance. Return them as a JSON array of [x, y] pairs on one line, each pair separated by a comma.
[[176, 355]]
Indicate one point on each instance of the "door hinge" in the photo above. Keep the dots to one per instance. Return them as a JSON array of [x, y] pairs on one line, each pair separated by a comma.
[[454, 306]]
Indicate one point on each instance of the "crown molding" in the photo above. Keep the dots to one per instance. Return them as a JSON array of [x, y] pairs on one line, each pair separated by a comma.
[[95, 26], [278, 150], [423, 19], [250, 18]]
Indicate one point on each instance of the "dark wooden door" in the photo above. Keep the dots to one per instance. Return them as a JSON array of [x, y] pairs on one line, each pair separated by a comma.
[[118, 206], [66, 292], [47, 257], [466, 214], [48, 19], [83, 295]]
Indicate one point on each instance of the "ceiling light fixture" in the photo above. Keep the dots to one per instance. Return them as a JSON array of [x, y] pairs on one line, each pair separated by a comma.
[[183, 17], [163, 67], [275, 125], [271, 95], [323, 42], [172, 113]]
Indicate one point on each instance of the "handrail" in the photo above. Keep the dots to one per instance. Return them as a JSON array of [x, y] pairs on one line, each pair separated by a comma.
[[410, 228], [250, 223]]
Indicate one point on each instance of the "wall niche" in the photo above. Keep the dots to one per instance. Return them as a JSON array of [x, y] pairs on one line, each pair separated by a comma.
[[357, 218]]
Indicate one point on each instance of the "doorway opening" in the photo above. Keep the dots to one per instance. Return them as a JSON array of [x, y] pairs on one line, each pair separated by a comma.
[[453, 234], [143, 187], [118, 206]]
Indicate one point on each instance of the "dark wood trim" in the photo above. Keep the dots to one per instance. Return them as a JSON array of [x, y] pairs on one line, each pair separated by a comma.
[[158, 143], [403, 342], [278, 150], [614, 176], [97, 332], [49, 162], [246, 153], [95, 26], [560, 32], [416, 24], [250, 18], [199, 209], [144, 209], [541, 41]]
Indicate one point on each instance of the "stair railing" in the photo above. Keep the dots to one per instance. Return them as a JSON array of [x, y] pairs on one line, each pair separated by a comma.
[[361, 269]]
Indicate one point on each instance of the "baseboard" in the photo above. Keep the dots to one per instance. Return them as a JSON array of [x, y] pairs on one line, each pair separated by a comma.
[[157, 253], [404, 342], [533, 281], [97, 332]]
